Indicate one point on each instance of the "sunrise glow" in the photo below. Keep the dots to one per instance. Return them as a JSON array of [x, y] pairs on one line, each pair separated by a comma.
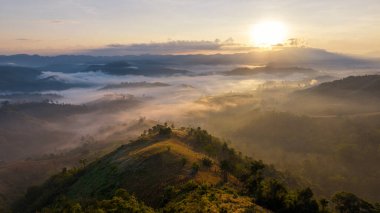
[[268, 33]]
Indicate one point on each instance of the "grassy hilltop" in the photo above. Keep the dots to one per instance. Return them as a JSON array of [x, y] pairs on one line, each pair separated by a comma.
[[171, 169]]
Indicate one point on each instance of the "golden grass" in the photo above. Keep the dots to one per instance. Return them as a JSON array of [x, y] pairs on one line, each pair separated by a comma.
[[170, 145], [181, 150]]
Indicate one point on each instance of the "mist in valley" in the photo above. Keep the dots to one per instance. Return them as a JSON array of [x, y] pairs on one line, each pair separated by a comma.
[[190, 106], [304, 120]]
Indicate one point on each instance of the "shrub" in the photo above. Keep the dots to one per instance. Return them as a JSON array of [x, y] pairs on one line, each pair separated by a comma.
[[206, 162]]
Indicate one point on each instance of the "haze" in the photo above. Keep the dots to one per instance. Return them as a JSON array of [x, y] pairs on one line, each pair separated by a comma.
[[57, 27], [189, 106]]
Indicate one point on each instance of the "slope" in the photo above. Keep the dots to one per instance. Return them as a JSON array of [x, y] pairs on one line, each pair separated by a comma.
[[173, 170], [161, 159]]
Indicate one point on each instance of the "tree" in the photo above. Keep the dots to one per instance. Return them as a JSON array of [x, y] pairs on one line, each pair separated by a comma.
[[272, 194], [304, 202], [164, 131], [206, 162], [194, 169], [225, 168], [183, 161], [345, 202], [83, 162], [257, 166], [255, 177], [324, 204]]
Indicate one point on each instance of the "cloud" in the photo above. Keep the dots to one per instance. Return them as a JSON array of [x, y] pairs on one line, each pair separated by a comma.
[[171, 47], [56, 21], [177, 47], [64, 21], [26, 39], [22, 39]]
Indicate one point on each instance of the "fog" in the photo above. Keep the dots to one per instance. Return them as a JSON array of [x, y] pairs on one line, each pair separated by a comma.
[[267, 116], [185, 99], [188, 95]]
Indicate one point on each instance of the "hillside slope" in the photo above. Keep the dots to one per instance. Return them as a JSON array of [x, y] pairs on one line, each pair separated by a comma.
[[344, 97], [24, 79], [170, 170], [349, 87]]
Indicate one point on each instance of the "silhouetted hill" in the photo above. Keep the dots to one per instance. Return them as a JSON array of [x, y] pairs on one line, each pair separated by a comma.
[[306, 57], [23, 79], [340, 97], [25, 129], [124, 68], [143, 84], [29, 97], [349, 87], [269, 69]]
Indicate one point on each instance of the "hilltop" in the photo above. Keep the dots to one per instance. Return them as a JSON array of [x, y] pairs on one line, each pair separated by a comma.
[[146, 168], [175, 170], [171, 169]]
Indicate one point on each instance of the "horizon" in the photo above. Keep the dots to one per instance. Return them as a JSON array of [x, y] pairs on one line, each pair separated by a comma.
[[210, 53], [76, 27], [190, 106]]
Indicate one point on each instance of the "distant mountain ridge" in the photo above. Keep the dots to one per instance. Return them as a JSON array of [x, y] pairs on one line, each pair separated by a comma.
[[308, 57], [142, 84], [269, 69], [24, 79], [125, 68]]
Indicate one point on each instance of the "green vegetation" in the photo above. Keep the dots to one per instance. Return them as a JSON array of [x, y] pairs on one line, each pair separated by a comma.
[[272, 194], [164, 181], [349, 203], [207, 162], [331, 154], [3, 204], [349, 87], [193, 197], [122, 201]]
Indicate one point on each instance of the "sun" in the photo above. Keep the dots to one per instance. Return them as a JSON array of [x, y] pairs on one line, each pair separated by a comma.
[[268, 33]]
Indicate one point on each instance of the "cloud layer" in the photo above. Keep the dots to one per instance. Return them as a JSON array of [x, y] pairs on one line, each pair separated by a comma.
[[171, 47]]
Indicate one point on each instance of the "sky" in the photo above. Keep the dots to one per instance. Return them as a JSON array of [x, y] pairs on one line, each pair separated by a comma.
[[72, 26]]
